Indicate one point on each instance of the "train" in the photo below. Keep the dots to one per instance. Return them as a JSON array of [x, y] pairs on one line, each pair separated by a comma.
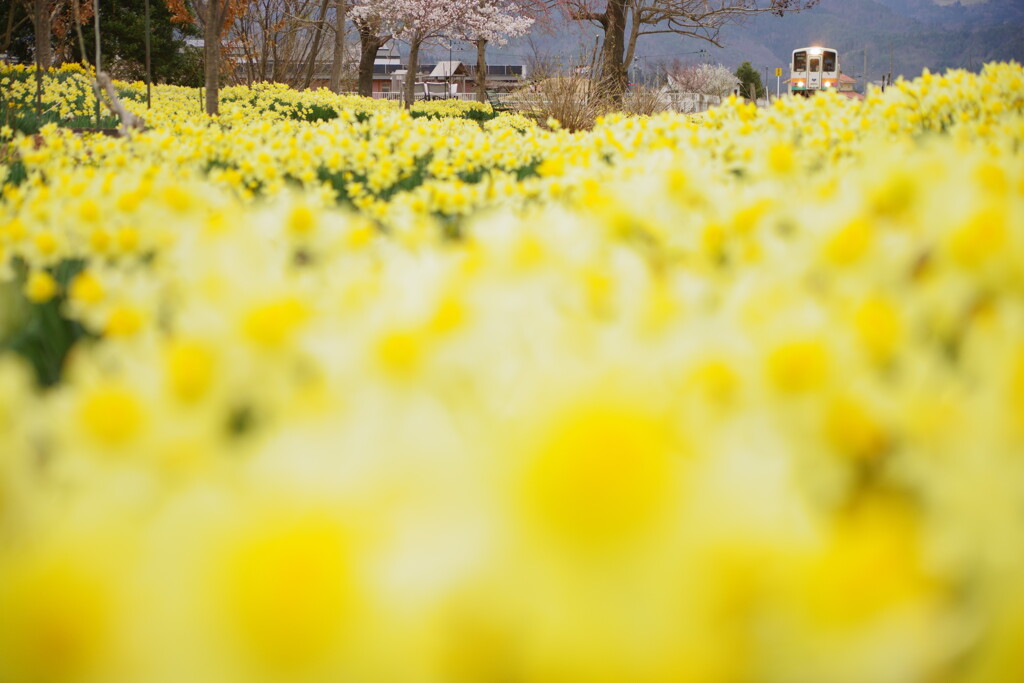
[[813, 69]]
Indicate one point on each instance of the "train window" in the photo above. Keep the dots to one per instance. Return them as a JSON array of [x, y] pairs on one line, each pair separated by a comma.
[[830, 62], [815, 63], [800, 61]]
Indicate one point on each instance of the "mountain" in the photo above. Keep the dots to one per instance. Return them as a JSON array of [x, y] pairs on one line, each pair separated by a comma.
[[915, 34]]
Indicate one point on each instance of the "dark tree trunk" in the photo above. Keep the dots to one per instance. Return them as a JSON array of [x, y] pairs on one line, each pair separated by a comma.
[[410, 76], [277, 72], [481, 70], [369, 43], [613, 68], [211, 52], [337, 66], [315, 49], [5, 43], [43, 31]]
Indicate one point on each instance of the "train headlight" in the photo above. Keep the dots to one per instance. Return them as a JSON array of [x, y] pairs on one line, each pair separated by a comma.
[[828, 84]]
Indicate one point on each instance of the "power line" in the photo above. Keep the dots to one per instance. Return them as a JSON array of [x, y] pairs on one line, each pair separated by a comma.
[[674, 54]]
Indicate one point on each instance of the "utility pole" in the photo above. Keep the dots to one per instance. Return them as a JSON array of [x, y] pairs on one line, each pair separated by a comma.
[[38, 56], [864, 86], [99, 66], [149, 71], [890, 63]]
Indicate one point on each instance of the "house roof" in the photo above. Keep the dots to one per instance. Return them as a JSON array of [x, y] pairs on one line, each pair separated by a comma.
[[447, 68]]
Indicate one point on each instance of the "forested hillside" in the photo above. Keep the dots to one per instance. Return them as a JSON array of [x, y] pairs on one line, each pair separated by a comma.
[[917, 33]]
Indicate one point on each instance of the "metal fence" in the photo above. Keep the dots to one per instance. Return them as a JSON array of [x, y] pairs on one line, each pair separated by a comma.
[[684, 103], [398, 96]]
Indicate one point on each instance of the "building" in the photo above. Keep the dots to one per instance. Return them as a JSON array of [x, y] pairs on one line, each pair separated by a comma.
[[389, 74]]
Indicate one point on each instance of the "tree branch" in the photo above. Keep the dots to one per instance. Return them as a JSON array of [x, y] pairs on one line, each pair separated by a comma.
[[129, 121]]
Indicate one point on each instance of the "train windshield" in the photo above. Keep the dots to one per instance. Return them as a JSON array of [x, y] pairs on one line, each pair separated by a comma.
[[829, 61], [815, 63], [799, 61]]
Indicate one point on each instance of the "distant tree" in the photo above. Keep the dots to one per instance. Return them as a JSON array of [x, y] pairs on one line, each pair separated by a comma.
[[15, 31], [750, 81], [492, 21], [15, 24], [43, 12], [52, 26], [340, 31], [122, 41], [214, 17], [283, 41], [704, 79], [415, 22], [372, 36]]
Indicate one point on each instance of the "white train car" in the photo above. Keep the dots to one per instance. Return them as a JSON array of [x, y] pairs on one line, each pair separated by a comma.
[[813, 69]]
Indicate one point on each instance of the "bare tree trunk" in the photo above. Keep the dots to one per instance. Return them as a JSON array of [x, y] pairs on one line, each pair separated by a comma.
[[43, 31], [211, 52], [267, 38], [481, 70], [338, 65], [634, 33], [11, 26], [9, 30], [410, 76], [276, 71], [369, 43], [250, 61], [318, 32], [613, 69]]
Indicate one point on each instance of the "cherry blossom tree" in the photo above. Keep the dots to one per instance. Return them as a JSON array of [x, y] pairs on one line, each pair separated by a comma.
[[413, 21], [703, 79], [492, 21], [372, 35]]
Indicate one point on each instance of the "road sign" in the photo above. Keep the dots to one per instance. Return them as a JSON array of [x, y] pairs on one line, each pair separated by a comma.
[[778, 71]]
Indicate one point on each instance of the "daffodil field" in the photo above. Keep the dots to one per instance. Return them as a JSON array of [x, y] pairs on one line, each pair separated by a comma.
[[322, 390]]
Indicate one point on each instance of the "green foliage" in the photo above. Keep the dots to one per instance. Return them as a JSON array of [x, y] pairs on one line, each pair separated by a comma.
[[19, 42], [750, 81], [313, 113], [190, 73], [478, 115], [41, 334], [453, 109], [16, 173], [122, 39], [299, 111], [528, 171]]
